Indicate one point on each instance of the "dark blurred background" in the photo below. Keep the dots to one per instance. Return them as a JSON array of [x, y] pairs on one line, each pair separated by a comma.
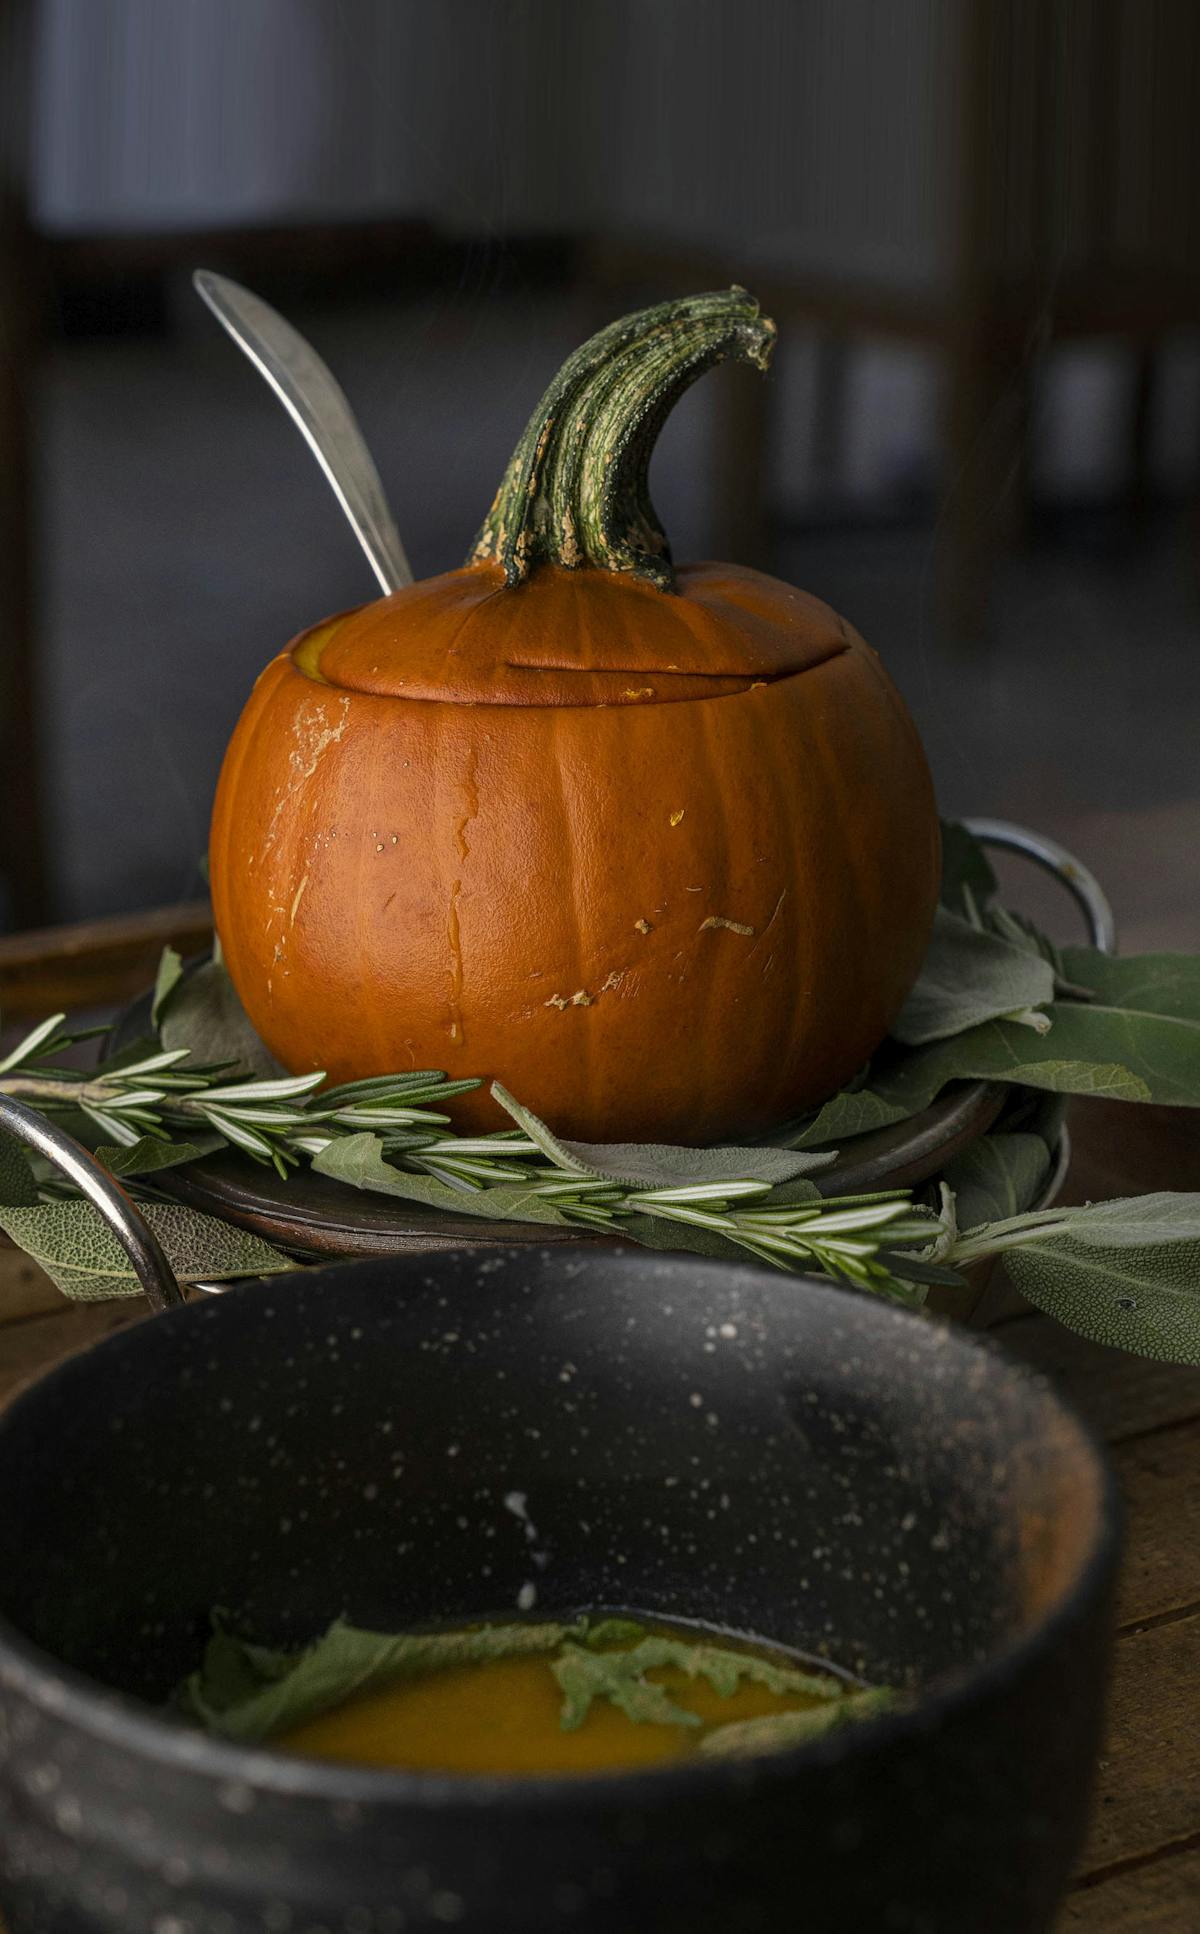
[[976, 222]]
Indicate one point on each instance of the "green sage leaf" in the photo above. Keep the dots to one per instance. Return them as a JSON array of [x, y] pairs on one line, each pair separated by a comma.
[[998, 1176], [170, 970], [613, 1630], [251, 1693], [1125, 1273], [689, 1238], [359, 1161], [18, 1185], [968, 882], [776, 1731], [147, 1156], [586, 1675], [202, 1012], [1167, 984], [1118, 1053], [80, 1253], [656, 1165], [971, 975]]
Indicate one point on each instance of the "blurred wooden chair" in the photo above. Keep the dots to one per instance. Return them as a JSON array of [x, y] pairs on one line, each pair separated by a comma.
[[983, 177]]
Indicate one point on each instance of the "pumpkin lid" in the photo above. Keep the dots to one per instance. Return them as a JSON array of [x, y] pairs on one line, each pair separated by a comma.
[[569, 596], [574, 637]]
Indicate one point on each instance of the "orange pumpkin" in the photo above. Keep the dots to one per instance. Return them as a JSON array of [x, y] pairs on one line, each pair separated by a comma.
[[657, 849]]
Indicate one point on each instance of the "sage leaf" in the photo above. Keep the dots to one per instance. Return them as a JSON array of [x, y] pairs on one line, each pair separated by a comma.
[[170, 969], [18, 1185], [856, 1111], [80, 1253], [359, 1161], [586, 1675], [656, 1165], [968, 882], [998, 1176], [149, 1154], [1125, 1273], [725, 1668], [777, 1730], [971, 975], [202, 1012], [252, 1693], [1119, 1053], [917, 1274], [656, 1232], [1166, 984], [612, 1630], [1124, 1222]]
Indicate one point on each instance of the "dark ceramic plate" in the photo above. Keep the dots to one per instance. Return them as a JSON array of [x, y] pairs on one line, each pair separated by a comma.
[[311, 1213]]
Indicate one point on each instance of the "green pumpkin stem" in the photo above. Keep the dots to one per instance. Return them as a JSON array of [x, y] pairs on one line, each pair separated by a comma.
[[575, 492]]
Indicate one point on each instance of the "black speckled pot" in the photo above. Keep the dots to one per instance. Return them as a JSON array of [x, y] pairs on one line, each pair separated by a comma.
[[753, 1450]]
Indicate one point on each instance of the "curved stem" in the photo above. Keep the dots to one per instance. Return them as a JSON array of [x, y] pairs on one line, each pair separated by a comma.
[[576, 490], [46, 1091], [996, 1237]]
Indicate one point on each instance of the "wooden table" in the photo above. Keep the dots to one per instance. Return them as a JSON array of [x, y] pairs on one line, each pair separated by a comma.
[[1141, 1867]]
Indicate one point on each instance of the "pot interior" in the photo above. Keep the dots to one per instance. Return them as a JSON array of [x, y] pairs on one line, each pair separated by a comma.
[[409, 1443]]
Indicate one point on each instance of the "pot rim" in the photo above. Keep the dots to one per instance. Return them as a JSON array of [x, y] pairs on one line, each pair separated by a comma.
[[115, 1719]]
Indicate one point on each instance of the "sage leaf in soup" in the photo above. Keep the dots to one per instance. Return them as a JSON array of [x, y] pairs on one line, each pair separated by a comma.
[[584, 1676], [80, 1253], [778, 1730], [619, 1676], [251, 1693], [612, 1629], [1124, 1273], [971, 975]]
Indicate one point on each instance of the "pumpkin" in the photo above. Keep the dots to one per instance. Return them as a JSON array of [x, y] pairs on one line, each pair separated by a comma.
[[655, 848]]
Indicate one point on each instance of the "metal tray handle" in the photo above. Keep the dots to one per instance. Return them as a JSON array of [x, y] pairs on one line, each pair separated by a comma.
[[123, 1217], [1083, 886]]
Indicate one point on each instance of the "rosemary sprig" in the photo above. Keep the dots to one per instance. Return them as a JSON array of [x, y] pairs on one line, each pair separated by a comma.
[[272, 1120], [882, 1243]]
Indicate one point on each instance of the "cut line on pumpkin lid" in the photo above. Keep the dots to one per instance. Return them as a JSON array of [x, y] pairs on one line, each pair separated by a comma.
[[665, 675], [575, 639]]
